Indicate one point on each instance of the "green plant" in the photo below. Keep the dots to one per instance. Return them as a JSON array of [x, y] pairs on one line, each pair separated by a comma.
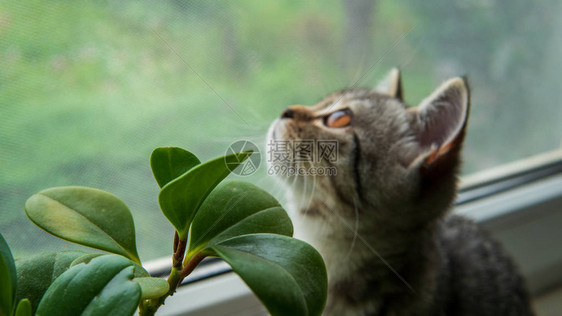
[[233, 220]]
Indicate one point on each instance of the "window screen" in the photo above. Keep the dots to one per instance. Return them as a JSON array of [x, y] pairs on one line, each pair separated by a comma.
[[89, 88]]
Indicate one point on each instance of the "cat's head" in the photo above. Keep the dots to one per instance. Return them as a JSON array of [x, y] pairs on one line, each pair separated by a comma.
[[388, 156]]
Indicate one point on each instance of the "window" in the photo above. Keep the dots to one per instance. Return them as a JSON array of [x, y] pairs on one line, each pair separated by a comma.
[[88, 89]]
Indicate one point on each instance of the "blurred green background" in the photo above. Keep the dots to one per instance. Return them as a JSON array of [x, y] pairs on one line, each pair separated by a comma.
[[89, 88]]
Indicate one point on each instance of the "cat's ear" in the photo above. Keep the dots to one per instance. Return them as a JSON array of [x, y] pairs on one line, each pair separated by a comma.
[[391, 85], [440, 121]]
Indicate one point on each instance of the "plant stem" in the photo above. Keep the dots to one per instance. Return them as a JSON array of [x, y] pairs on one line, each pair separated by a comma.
[[174, 280], [180, 252], [190, 266], [176, 240]]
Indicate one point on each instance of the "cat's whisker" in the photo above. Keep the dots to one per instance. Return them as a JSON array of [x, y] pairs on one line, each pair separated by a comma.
[[262, 120], [372, 249], [277, 188], [279, 192], [355, 230], [304, 197], [311, 195], [254, 127], [237, 132], [376, 63]]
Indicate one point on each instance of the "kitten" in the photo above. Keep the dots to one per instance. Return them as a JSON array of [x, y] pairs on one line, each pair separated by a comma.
[[380, 218]]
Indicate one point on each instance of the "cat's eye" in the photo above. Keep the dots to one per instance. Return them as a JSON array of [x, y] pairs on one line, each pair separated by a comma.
[[338, 119]]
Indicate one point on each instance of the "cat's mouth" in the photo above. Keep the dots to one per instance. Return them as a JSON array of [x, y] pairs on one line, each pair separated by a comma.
[[280, 155], [282, 131], [273, 133]]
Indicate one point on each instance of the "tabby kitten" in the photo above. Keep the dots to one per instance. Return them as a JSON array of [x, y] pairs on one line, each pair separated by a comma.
[[381, 221]]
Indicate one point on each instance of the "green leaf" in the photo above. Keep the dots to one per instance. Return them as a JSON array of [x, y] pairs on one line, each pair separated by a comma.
[[138, 272], [168, 163], [103, 286], [181, 198], [24, 308], [85, 258], [286, 274], [237, 208], [152, 287], [86, 216], [35, 274], [7, 278]]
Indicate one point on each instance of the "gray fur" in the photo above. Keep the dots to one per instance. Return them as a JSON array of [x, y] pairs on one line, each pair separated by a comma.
[[381, 222]]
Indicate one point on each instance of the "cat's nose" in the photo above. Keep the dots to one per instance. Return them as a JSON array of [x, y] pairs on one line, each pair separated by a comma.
[[288, 113]]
